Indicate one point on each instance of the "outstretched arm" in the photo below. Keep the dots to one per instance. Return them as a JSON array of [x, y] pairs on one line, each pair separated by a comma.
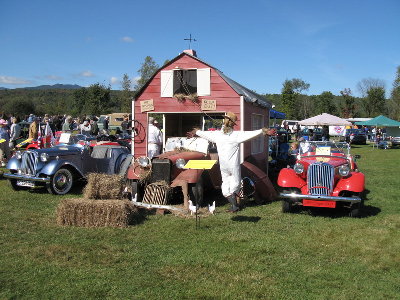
[[248, 135]]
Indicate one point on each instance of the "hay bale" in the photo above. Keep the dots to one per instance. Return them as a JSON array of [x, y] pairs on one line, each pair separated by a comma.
[[103, 186], [97, 213]]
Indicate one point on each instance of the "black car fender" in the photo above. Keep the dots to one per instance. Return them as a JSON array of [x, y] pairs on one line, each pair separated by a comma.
[[53, 166]]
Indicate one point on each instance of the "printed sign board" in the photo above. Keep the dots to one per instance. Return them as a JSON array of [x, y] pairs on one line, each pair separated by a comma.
[[146, 105], [208, 104]]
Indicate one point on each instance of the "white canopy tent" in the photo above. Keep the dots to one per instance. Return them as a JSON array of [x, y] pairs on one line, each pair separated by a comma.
[[325, 119]]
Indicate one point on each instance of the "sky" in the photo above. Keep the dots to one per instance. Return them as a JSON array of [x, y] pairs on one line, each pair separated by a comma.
[[332, 45]]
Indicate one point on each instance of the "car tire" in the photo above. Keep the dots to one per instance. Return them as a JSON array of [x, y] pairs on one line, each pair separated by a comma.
[[287, 204], [61, 182], [196, 191], [356, 209], [136, 191], [14, 185]]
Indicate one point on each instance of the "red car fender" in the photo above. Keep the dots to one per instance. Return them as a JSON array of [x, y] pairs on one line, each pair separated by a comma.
[[190, 176], [33, 146], [353, 183], [288, 178]]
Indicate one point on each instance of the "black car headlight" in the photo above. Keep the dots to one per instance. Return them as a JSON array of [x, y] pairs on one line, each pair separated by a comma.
[[44, 157], [18, 154], [144, 162], [344, 170], [298, 168]]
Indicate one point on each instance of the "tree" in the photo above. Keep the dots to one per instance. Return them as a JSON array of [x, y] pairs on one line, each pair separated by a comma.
[[127, 94], [366, 84], [348, 106], [375, 101], [371, 92], [147, 70], [94, 100], [291, 97], [394, 102], [325, 103], [20, 107], [80, 98]]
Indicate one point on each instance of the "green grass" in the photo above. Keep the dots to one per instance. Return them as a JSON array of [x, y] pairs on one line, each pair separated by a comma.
[[259, 253]]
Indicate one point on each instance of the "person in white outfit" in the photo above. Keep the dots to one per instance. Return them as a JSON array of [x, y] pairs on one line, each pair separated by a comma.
[[85, 128], [154, 139], [227, 142], [15, 132]]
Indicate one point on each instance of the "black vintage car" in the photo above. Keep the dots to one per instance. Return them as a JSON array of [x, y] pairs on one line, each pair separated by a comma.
[[309, 134], [355, 136], [58, 168]]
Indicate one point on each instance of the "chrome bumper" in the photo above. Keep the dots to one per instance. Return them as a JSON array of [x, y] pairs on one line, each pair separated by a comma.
[[169, 207], [26, 178], [313, 197]]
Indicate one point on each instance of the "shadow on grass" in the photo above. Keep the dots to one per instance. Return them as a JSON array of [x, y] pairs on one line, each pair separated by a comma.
[[246, 219], [368, 211]]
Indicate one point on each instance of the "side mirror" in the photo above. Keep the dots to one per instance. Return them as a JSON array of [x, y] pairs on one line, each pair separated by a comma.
[[357, 156]]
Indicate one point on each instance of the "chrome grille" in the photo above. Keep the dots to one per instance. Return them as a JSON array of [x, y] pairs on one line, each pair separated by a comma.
[[320, 179], [29, 163]]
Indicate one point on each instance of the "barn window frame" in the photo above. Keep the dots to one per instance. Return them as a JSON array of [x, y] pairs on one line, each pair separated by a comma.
[[257, 144], [200, 86]]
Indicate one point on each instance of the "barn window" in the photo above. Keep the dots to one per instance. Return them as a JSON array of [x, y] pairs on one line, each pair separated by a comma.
[[188, 81], [257, 144], [185, 82]]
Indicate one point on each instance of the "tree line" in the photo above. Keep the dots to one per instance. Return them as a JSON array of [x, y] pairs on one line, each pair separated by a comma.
[[373, 101], [100, 99]]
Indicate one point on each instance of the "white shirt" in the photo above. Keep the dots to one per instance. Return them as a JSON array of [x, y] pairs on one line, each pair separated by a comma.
[[154, 136]]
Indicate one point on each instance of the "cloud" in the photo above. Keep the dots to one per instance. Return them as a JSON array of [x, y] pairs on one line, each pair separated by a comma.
[[114, 80], [53, 77], [127, 39], [136, 79], [86, 74], [13, 80]]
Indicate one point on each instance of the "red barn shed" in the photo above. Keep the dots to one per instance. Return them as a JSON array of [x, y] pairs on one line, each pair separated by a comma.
[[189, 92]]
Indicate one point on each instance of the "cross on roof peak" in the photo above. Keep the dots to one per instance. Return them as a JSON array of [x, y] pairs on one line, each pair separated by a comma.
[[190, 39]]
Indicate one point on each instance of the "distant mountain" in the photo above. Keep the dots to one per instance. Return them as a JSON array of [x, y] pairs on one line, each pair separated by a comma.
[[55, 86], [3, 88]]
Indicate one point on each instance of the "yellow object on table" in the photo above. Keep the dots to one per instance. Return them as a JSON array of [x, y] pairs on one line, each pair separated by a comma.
[[200, 164]]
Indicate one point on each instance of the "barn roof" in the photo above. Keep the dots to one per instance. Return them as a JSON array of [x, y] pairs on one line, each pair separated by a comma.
[[248, 95]]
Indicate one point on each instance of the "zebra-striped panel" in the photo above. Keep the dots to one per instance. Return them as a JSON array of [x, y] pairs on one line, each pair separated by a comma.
[[156, 194]]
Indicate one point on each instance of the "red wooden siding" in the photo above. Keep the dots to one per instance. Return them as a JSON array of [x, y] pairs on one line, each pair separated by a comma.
[[227, 99]]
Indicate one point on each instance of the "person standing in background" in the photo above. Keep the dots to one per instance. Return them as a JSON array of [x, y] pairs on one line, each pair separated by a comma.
[[34, 129], [4, 143], [105, 125], [15, 132], [154, 139]]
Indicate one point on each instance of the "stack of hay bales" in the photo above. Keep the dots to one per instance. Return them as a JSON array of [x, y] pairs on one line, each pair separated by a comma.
[[101, 206]]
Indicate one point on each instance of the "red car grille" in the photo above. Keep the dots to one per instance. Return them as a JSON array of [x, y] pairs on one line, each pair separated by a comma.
[[320, 178]]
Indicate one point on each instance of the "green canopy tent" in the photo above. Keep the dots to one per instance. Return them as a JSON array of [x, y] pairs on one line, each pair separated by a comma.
[[380, 121], [393, 126]]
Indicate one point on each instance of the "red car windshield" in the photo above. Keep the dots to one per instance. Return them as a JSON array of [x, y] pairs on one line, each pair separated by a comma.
[[327, 148]]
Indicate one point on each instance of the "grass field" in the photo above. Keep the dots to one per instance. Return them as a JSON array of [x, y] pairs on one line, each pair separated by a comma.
[[259, 253]]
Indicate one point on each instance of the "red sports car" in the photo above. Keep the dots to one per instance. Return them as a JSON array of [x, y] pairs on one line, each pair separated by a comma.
[[325, 175]]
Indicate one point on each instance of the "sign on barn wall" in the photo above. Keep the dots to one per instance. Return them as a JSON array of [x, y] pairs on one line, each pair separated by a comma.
[[208, 104], [146, 105]]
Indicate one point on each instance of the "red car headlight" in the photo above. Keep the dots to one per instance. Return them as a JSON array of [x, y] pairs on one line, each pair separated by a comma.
[[298, 168], [344, 170]]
